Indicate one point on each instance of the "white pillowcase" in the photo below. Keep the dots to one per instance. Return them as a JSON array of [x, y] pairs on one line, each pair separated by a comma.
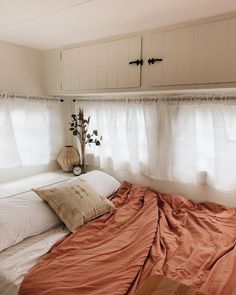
[[22, 216], [25, 215], [104, 184]]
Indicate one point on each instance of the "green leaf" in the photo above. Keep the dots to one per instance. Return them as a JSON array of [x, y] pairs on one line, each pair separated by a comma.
[[100, 137], [88, 135], [90, 140], [73, 116], [95, 132], [75, 132], [71, 129], [97, 142]]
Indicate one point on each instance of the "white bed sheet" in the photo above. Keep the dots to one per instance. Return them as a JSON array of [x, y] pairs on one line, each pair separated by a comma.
[[16, 261]]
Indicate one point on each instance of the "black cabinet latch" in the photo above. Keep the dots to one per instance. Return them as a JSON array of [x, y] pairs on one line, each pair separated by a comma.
[[153, 60], [137, 62]]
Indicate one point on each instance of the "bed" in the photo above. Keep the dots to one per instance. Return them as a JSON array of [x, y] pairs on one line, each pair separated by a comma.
[[149, 233]]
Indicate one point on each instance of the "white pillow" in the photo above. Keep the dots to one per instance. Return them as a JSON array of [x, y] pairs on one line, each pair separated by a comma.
[[26, 215], [104, 184], [23, 216]]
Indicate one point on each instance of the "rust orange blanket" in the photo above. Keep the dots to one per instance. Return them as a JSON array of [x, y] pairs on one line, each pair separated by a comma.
[[149, 233]]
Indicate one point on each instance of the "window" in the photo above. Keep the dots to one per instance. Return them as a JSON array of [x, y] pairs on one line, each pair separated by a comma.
[[30, 131], [167, 139]]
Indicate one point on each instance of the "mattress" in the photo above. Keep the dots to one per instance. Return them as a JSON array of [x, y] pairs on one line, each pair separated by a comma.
[[17, 260]]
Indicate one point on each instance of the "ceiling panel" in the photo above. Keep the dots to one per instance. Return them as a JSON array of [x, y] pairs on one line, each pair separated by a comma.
[[53, 24], [13, 11]]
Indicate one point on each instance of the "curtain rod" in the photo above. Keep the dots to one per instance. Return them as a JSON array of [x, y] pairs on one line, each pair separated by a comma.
[[16, 95], [202, 97]]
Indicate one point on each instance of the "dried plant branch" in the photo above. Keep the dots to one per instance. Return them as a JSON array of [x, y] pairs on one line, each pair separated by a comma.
[[79, 128]]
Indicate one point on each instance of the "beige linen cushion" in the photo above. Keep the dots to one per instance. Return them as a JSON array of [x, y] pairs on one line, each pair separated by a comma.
[[75, 202]]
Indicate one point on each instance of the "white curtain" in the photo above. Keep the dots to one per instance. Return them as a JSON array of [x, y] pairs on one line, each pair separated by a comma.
[[31, 131], [189, 140]]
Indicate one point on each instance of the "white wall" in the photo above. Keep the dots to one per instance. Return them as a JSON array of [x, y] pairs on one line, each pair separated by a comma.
[[21, 72], [21, 69], [198, 193], [11, 174]]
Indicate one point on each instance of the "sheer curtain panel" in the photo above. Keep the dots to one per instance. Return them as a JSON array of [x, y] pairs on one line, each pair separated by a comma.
[[180, 140], [31, 131]]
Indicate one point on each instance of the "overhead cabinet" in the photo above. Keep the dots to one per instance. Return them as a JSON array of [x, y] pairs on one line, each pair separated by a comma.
[[194, 55], [102, 66]]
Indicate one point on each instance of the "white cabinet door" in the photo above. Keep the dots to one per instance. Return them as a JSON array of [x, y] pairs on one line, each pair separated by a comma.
[[134, 53], [175, 48], [210, 52], [200, 54], [92, 82], [122, 63], [217, 51], [155, 71], [52, 71], [112, 64], [97, 64], [184, 56], [195, 55], [102, 66], [170, 58], [163, 46], [214, 59], [70, 69], [83, 68], [120, 74]]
